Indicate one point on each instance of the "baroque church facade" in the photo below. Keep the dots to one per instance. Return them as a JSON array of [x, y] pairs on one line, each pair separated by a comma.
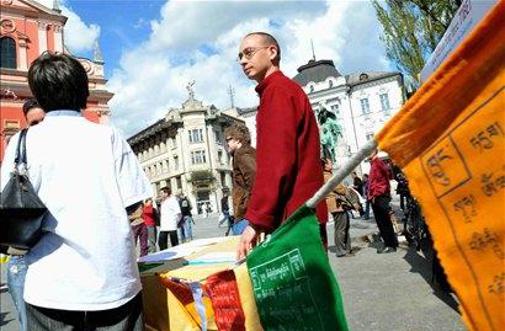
[[27, 29]]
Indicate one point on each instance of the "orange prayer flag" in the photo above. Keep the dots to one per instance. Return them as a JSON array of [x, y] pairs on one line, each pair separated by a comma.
[[449, 138]]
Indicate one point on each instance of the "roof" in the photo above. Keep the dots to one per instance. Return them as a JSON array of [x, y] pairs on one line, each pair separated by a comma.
[[365, 77], [316, 71]]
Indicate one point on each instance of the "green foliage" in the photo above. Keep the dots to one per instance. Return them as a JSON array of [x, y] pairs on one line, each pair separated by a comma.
[[412, 30]]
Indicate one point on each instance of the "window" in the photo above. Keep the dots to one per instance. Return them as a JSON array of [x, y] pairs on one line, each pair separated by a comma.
[[331, 83], [195, 136], [220, 157], [178, 180], [176, 162], [369, 136], [223, 178], [365, 106], [385, 102], [198, 157], [8, 53]]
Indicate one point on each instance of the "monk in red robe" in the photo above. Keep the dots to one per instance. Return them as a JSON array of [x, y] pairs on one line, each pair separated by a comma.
[[288, 163]]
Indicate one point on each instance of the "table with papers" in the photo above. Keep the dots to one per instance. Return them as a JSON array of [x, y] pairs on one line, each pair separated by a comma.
[[192, 261]]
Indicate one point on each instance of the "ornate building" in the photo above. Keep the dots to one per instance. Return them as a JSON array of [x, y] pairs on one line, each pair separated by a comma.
[[185, 150], [350, 108], [27, 29]]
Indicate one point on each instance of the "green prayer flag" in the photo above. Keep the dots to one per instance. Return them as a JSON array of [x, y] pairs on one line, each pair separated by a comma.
[[293, 284]]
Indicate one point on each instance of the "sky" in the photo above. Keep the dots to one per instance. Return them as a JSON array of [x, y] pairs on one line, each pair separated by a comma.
[[153, 48]]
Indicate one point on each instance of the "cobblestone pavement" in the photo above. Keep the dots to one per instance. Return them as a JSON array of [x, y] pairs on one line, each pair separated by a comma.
[[381, 292]]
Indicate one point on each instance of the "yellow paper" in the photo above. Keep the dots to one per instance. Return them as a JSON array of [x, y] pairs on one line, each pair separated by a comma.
[[450, 141]]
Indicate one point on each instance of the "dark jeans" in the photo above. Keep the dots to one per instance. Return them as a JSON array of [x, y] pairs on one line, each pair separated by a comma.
[[163, 239], [140, 234], [127, 317], [381, 210]]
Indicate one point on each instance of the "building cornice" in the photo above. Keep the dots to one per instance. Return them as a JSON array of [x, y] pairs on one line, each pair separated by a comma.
[[376, 81], [39, 11]]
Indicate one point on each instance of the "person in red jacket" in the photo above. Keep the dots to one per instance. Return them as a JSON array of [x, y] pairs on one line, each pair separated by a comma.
[[149, 217], [379, 195], [289, 170]]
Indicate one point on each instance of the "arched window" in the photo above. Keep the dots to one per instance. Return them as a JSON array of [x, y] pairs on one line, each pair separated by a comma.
[[8, 53]]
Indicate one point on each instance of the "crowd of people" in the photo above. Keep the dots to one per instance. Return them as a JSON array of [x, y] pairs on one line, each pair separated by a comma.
[[82, 274]]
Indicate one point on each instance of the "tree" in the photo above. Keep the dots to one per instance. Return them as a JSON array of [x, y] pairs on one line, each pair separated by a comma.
[[412, 30]]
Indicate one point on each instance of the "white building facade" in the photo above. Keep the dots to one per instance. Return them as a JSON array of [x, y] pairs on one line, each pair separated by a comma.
[[186, 151], [361, 102]]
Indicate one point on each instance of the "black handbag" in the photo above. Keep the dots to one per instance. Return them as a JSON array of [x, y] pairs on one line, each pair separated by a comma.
[[21, 210]]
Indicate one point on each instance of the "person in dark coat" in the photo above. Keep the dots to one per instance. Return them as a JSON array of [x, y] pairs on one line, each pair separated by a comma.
[[289, 170]]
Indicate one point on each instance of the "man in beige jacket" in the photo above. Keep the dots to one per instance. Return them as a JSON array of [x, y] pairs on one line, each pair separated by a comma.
[[339, 201]]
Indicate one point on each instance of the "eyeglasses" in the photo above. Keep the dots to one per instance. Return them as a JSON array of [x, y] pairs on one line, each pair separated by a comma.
[[249, 52]]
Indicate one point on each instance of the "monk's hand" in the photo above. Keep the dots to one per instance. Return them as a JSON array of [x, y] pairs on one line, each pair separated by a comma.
[[247, 242]]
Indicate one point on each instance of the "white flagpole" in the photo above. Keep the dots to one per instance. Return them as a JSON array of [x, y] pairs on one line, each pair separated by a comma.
[[341, 173]]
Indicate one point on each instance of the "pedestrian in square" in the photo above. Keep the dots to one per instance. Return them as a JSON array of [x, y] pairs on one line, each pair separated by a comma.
[[82, 274], [380, 196], [170, 216], [16, 267], [186, 224], [149, 214], [238, 140], [139, 229]]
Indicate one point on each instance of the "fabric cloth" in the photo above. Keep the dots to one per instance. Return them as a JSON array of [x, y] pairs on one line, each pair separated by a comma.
[[127, 317], [289, 169], [16, 274], [341, 236], [170, 214], [223, 292], [86, 174], [287, 267], [244, 173], [378, 180], [448, 139]]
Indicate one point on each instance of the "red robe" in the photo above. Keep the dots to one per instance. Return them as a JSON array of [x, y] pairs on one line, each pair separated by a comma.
[[289, 169]]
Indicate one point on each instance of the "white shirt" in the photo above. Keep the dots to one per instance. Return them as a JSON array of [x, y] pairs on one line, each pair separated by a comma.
[[86, 175], [168, 216]]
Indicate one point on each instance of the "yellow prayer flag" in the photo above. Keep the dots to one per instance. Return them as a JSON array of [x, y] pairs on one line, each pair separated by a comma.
[[449, 139]]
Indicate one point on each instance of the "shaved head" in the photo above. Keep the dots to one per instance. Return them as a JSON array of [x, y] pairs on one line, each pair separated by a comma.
[[268, 40]]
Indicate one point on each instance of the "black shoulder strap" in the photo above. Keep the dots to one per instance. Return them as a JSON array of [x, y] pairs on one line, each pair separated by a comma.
[[21, 148]]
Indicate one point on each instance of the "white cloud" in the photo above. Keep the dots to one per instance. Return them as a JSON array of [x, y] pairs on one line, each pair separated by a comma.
[[199, 40], [79, 36]]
